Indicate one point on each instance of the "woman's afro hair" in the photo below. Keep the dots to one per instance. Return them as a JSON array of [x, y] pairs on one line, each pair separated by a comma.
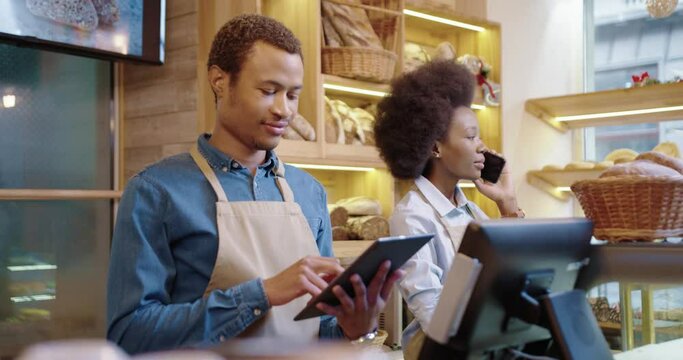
[[418, 112]]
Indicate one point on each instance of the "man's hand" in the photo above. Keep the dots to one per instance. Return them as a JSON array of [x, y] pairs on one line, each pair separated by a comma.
[[306, 276], [358, 316]]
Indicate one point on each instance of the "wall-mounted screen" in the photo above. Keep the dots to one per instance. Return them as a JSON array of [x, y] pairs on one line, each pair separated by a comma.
[[109, 29]]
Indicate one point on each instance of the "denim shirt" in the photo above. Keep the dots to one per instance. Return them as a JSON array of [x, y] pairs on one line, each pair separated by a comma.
[[164, 249]]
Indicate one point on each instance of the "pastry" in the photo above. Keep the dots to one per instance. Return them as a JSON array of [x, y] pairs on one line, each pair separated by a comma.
[[579, 165], [621, 155], [662, 159], [668, 148]]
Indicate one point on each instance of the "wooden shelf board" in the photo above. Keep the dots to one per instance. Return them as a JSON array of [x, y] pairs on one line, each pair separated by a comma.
[[549, 181], [566, 177], [299, 149], [348, 250], [354, 154], [648, 97]]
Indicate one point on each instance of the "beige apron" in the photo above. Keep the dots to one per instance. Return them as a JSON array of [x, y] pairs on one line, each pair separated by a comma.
[[411, 350], [260, 239]]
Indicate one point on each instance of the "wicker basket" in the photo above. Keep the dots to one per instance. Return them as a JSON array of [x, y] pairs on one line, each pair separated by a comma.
[[359, 63], [633, 207]]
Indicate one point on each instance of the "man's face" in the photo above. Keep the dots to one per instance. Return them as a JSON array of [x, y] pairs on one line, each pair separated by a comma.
[[257, 106]]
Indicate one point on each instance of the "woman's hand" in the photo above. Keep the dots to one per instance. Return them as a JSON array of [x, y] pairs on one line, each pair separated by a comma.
[[502, 192]]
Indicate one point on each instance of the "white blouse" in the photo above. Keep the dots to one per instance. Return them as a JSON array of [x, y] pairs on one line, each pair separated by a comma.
[[419, 212]]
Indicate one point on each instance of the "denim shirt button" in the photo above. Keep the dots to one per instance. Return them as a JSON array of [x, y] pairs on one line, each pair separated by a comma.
[[221, 338], [224, 168], [257, 312], [235, 164]]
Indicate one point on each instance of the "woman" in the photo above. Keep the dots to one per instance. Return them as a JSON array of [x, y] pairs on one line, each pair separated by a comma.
[[426, 132]]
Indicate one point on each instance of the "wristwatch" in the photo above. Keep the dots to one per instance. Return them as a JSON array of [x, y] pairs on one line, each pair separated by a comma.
[[517, 214], [365, 339]]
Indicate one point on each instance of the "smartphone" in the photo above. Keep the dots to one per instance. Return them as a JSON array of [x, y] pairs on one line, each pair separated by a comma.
[[493, 166]]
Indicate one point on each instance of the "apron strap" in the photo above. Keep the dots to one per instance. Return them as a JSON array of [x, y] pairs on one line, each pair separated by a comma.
[[208, 172], [285, 190]]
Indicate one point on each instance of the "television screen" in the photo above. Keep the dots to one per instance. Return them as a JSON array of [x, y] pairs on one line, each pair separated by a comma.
[[109, 29]]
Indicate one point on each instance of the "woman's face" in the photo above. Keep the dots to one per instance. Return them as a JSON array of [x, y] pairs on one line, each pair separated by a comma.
[[460, 151]]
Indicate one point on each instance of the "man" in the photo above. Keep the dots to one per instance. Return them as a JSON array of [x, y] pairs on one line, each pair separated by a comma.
[[226, 240]]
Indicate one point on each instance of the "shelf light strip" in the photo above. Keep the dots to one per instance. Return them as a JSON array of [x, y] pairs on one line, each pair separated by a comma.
[[564, 188], [32, 267], [29, 298], [619, 113], [333, 167], [355, 90], [376, 93], [443, 20]]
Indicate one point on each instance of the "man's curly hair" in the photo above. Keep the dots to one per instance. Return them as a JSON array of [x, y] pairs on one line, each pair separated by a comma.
[[235, 40], [417, 113]]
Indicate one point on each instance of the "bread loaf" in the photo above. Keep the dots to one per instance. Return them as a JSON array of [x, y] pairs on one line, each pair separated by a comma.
[[361, 205], [640, 167], [303, 127], [369, 227], [334, 130], [662, 159], [291, 134], [352, 25], [80, 14], [338, 214], [340, 233], [332, 38]]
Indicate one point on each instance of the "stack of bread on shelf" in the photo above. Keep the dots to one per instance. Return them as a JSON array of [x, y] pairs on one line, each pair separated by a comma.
[[359, 39], [347, 125], [618, 156], [638, 198], [357, 218]]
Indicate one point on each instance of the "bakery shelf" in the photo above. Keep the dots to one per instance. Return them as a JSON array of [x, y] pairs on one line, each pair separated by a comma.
[[355, 88], [557, 182], [651, 103]]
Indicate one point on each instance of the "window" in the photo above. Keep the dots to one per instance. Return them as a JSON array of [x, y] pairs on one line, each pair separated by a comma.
[[623, 40]]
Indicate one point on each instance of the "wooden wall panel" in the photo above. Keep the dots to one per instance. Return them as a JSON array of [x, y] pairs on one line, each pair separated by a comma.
[[159, 103]]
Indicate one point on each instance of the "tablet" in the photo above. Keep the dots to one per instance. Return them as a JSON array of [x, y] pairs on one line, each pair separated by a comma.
[[398, 249]]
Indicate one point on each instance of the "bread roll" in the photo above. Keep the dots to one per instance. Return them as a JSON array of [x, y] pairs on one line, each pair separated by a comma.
[[604, 165], [668, 148], [640, 167], [662, 159], [621, 155]]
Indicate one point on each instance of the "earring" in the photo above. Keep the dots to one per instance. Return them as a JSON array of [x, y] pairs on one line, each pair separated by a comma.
[[436, 154]]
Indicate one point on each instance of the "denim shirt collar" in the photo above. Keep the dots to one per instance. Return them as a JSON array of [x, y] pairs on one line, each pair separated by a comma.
[[221, 161]]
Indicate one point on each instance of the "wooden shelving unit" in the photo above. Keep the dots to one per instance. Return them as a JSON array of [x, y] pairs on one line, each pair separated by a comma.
[[552, 109], [557, 182]]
